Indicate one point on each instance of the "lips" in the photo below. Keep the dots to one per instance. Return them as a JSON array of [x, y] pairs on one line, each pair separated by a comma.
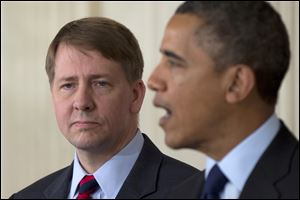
[[85, 124], [165, 118], [168, 112]]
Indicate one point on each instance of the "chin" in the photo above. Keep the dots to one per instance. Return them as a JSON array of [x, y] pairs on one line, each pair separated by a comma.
[[86, 142], [177, 140], [173, 142], [83, 145]]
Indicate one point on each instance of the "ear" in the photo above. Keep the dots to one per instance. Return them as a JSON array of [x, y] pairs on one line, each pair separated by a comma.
[[138, 96], [240, 81]]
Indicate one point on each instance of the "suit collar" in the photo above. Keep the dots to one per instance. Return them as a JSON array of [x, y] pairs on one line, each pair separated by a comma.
[[60, 186], [145, 169], [271, 167]]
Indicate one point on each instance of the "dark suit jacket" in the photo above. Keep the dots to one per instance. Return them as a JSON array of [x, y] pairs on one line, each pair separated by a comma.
[[275, 176], [152, 176]]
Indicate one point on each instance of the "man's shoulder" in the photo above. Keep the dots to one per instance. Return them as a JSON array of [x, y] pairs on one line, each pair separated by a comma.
[[155, 175], [276, 175], [36, 189], [173, 172], [168, 165], [172, 166]]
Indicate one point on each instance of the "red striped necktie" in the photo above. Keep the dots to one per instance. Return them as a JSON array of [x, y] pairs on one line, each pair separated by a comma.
[[87, 186]]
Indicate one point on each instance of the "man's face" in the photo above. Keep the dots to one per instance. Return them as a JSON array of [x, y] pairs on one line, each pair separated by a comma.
[[94, 103], [187, 86]]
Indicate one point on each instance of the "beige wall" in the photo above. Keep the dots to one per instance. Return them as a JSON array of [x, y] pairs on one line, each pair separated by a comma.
[[31, 144]]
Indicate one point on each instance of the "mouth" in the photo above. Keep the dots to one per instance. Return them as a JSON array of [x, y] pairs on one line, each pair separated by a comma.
[[85, 124], [167, 115]]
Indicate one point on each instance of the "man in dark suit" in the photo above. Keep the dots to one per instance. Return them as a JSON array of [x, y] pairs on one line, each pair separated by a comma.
[[218, 80], [95, 68], [152, 176]]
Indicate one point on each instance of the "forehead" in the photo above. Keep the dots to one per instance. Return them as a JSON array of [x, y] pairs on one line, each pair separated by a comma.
[[181, 30], [72, 60]]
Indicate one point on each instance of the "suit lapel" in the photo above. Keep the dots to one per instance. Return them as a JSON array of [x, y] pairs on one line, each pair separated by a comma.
[[271, 167], [60, 186], [143, 177]]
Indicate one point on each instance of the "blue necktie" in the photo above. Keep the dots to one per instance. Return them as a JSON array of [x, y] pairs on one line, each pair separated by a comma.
[[214, 184]]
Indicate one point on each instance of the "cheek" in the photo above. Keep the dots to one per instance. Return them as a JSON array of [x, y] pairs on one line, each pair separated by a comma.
[[62, 113], [198, 101], [187, 111], [115, 109]]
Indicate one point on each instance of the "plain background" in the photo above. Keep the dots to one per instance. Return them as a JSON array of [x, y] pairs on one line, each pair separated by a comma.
[[31, 144]]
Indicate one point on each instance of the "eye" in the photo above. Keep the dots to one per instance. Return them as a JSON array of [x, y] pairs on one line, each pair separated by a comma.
[[173, 63], [68, 86], [101, 83]]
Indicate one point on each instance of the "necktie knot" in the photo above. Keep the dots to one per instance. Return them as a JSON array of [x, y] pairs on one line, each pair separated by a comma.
[[214, 184], [87, 186]]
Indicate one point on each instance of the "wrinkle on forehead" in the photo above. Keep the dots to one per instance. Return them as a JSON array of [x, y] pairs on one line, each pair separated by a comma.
[[72, 62], [75, 54]]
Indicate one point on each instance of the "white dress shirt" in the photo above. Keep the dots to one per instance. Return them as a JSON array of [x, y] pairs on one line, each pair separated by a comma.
[[112, 174]]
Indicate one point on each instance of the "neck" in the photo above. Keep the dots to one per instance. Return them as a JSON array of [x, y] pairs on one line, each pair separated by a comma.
[[234, 130]]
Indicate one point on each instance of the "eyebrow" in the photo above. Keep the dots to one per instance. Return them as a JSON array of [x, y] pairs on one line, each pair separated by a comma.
[[67, 79], [75, 78], [171, 54]]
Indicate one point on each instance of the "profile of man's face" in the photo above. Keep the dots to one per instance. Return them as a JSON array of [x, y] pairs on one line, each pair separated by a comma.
[[186, 85], [92, 99]]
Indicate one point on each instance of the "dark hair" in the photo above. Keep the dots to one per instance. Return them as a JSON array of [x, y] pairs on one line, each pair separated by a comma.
[[250, 33], [112, 39]]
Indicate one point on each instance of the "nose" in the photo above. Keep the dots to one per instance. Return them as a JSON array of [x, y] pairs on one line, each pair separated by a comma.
[[83, 100], [156, 80]]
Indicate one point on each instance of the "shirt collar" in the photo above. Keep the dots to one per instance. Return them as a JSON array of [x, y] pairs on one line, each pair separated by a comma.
[[238, 164], [112, 174]]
